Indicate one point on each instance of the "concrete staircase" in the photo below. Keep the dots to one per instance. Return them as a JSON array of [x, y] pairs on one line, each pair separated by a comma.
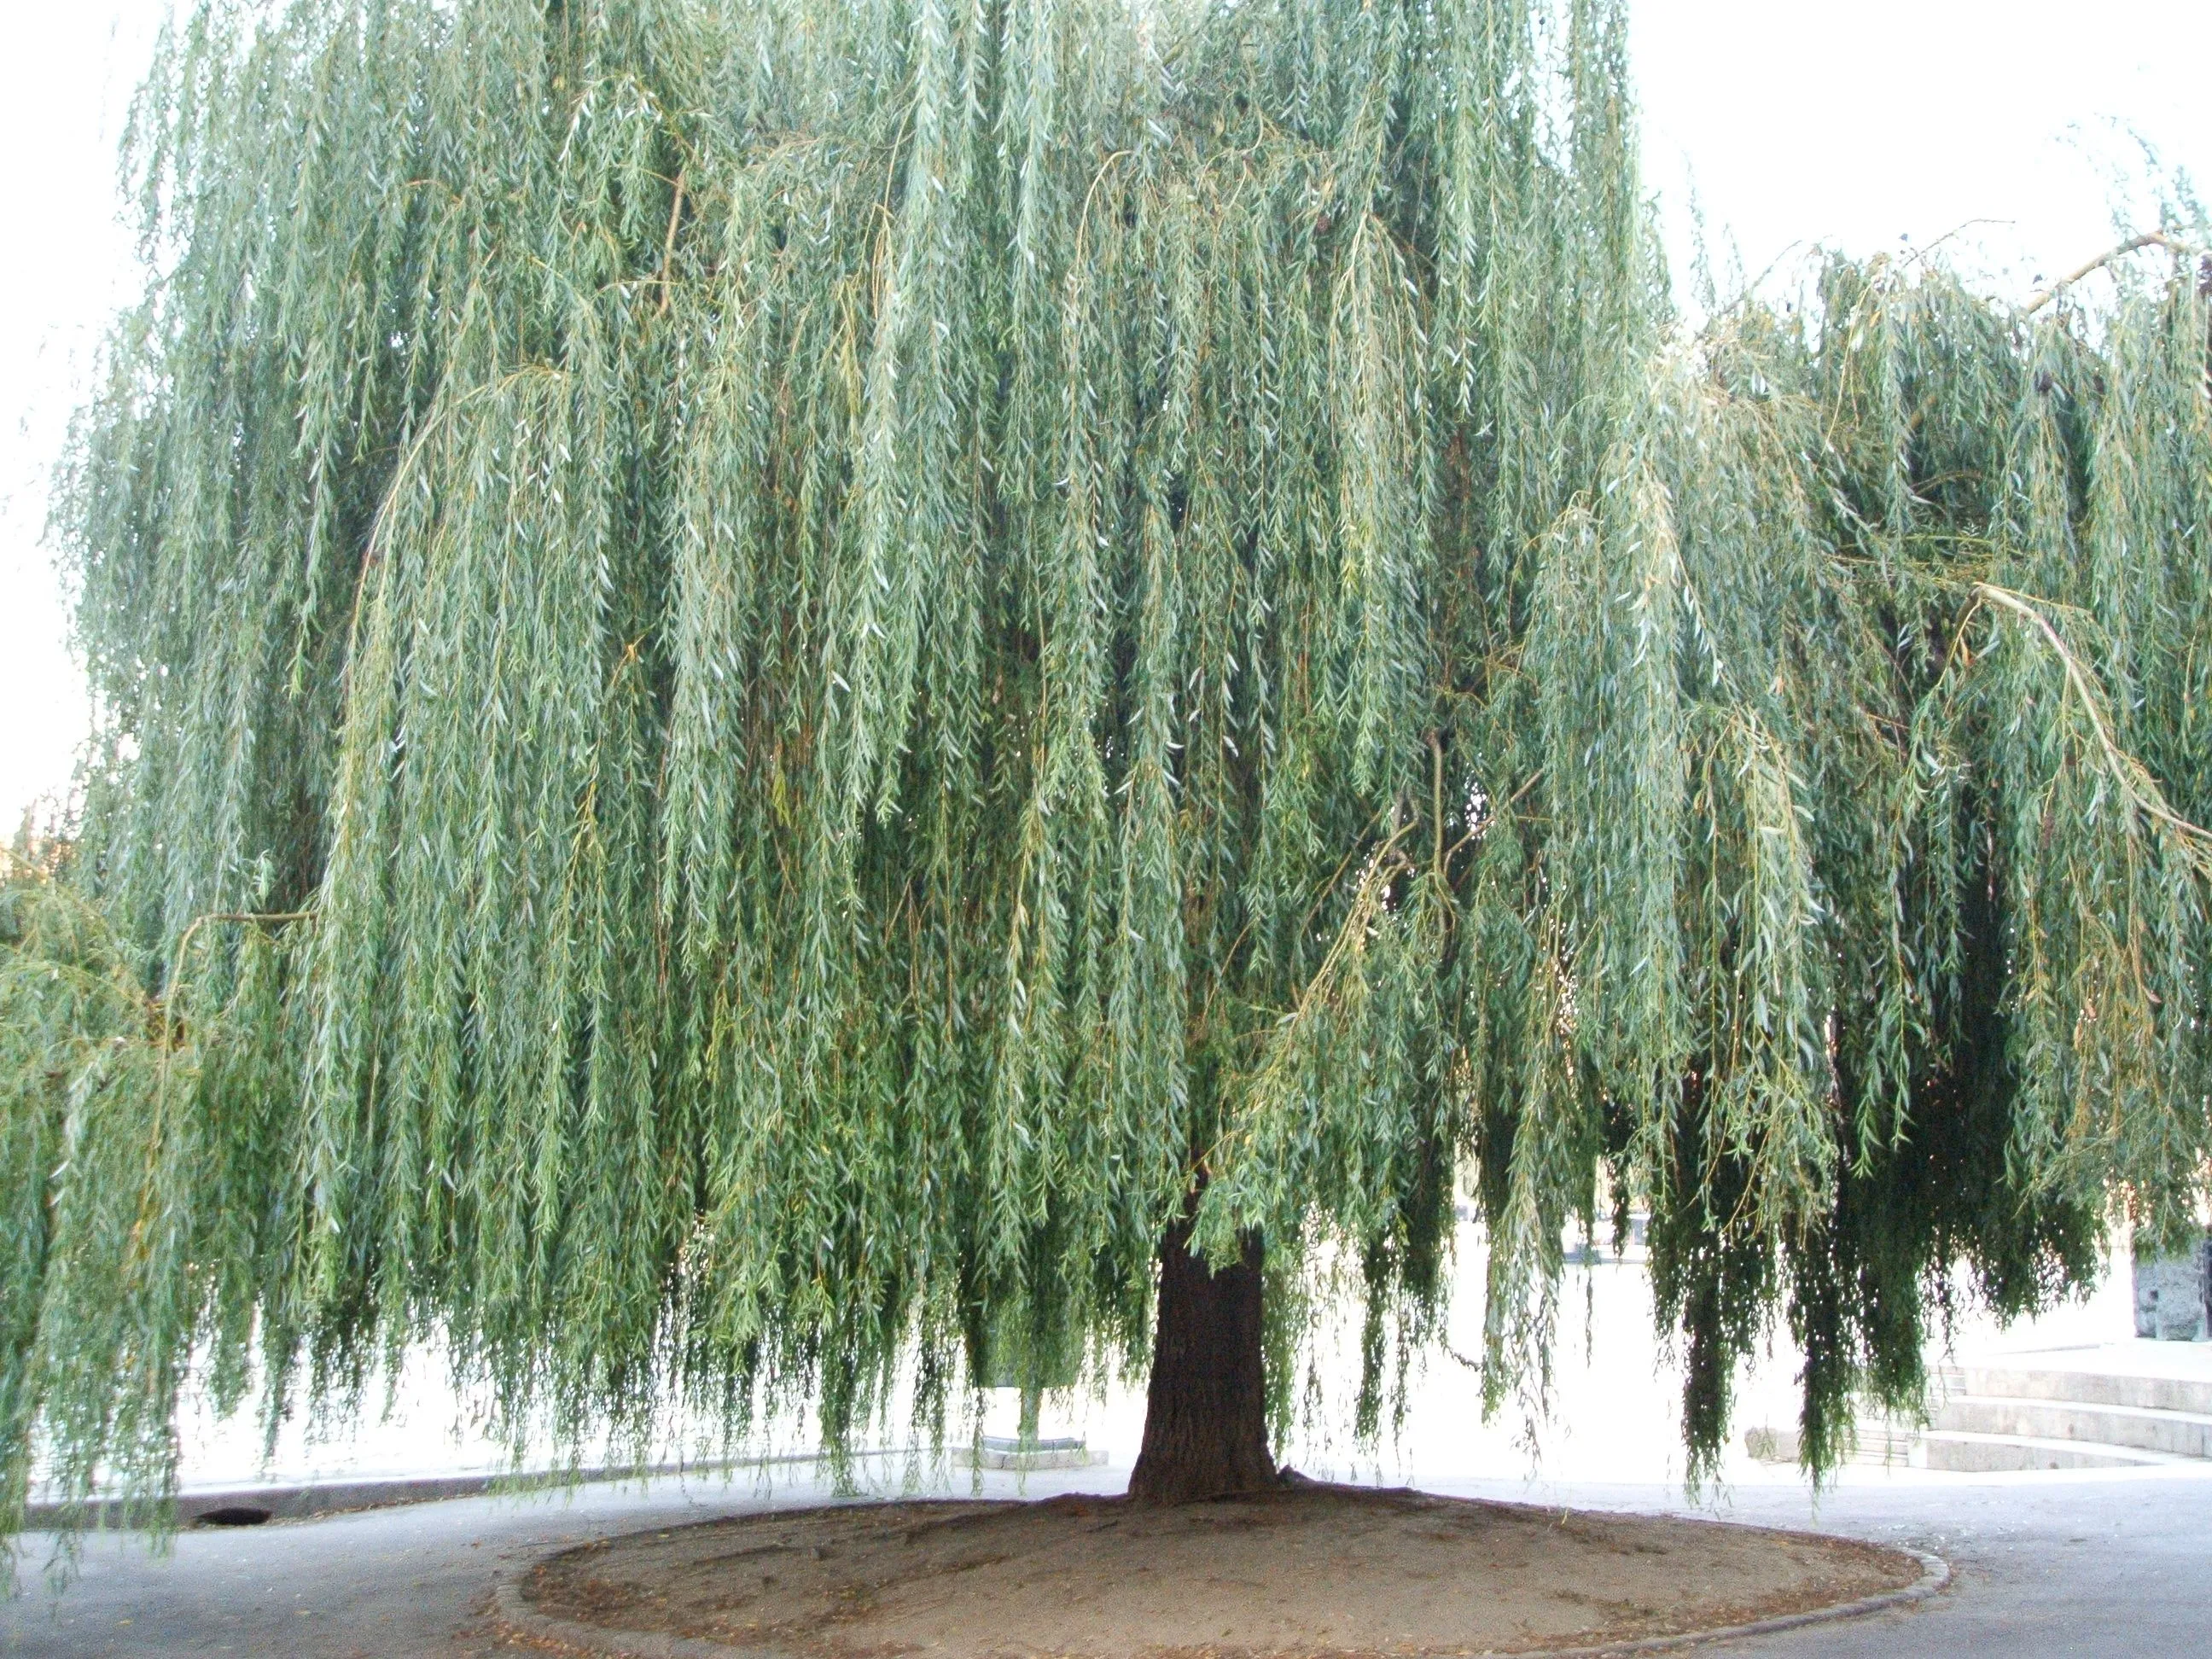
[[2026, 1416], [2119, 1407]]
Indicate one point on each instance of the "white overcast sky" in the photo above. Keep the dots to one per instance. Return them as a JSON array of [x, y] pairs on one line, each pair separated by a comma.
[[1880, 123]]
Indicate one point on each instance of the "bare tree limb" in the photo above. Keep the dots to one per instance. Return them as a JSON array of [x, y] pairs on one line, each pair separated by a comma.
[[2149, 239]]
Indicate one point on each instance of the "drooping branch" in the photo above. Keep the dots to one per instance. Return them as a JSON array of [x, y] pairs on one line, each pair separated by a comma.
[[2127, 772]]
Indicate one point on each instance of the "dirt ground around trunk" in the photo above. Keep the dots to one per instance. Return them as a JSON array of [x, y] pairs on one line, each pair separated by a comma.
[[1302, 1571]]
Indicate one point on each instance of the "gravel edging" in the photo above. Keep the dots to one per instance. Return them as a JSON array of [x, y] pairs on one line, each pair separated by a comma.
[[1935, 1579], [516, 1617]]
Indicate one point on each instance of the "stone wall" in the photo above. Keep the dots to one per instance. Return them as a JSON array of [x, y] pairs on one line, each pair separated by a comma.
[[2174, 1295]]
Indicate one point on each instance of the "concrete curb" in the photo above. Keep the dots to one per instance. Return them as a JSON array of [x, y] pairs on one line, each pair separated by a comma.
[[301, 1501], [519, 1618], [285, 1502]]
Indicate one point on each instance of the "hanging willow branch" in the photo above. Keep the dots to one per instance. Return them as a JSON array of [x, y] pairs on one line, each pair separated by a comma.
[[2127, 773]]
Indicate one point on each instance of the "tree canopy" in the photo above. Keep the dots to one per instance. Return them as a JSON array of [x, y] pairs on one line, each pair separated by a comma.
[[773, 672]]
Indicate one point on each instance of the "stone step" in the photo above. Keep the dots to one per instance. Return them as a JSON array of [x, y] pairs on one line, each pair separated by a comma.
[[1882, 1444], [1878, 1445], [2174, 1433], [2163, 1394], [1965, 1453]]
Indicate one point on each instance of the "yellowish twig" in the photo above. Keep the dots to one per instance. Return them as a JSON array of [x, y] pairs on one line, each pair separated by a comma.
[[261, 917], [668, 247]]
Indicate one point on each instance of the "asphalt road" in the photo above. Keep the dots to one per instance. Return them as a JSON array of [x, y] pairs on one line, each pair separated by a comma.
[[2043, 1566]]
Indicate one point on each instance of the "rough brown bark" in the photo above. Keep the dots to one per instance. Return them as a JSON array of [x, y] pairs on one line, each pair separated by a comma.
[[1206, 1414]]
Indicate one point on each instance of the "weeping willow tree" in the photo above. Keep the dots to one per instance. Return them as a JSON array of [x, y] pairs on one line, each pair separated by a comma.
[[804, 700]]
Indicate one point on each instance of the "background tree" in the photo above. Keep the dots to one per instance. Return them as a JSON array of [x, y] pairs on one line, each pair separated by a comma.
[[798, 693]]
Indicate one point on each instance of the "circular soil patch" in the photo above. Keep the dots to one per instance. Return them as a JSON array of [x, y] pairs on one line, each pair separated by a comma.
[[1308, 1570]]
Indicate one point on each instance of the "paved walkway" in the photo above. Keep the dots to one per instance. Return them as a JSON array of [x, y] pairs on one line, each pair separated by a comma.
[[2087, 1562]]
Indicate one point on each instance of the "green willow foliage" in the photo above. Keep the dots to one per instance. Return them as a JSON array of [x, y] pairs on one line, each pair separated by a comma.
[[771, 668]]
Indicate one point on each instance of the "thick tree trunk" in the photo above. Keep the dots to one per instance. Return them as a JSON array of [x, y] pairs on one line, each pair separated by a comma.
[[1205, 1416]]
